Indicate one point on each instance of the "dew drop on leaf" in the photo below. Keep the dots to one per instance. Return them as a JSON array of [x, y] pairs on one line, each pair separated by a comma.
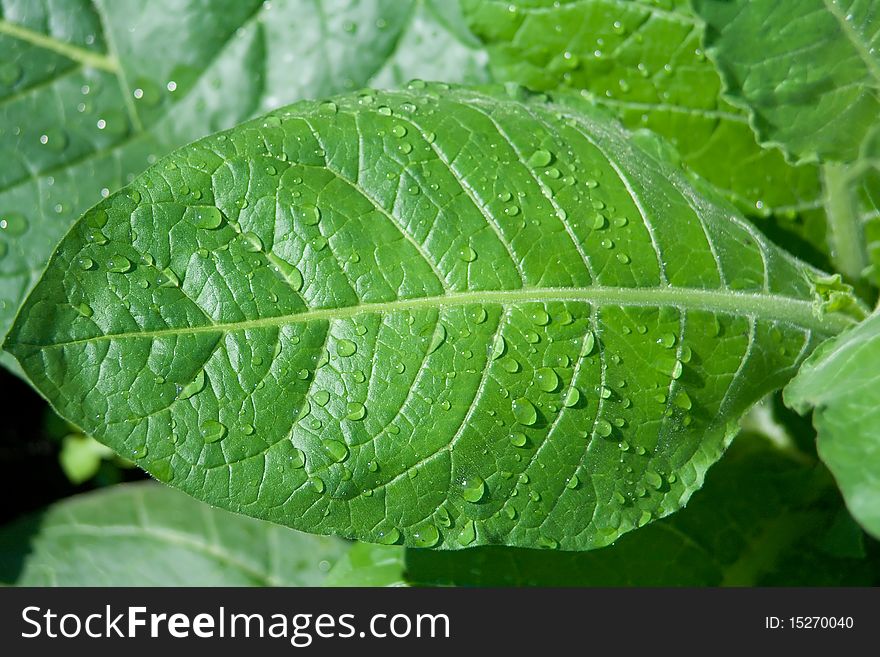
[[119, 264], [547, 379], [540, 158], [213, 431], [426, 536], [524, 411], [473, 489], [345, 348], [518, 439], [356, 411], [337, 450], [205, 217], [388, 536]]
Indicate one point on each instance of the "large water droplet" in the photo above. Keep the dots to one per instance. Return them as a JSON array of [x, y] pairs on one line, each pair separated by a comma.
[[388, 536], [309, 214]]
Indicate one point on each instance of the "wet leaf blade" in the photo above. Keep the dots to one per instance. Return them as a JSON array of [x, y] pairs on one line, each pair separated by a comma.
[[367, 343]]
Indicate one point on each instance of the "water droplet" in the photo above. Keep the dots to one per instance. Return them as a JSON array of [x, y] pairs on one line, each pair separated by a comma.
[[524, 411], [345, 348], [573, 482], [572, 397], [119, 264], [252, 242], [86, 263], [468, 533], [289, 273], [499, 346], [14, 224], [677, 369], [467, 254], [511, 365], [337, 450], [473, 489], [438, 337], [518, 439], [666, 340], [193, 387], [356, 411], [654, 480], [547, 379], [388, 536], [321, 397], [683, 401], [168, 279], [317, 483], [540, 158], [212, 431], [309, 214], [399, 130], [603, 428], [599, 222], [84, 309], [426, 536], [539, 317], [644, 519], [203, 217], [547, 543]]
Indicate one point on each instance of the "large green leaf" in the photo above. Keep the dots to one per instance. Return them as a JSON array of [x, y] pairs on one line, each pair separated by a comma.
[[646, 63], [763, 518], [841, 381], [809, 71], [93, 92], [438, 316], [148, 535]]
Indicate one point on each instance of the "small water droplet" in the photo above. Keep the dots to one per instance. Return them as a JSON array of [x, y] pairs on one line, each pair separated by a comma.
[[317, 483], [467, 254], [212, 431], [356, 411], [85, 310], [388, 536], [337, 450], [345, 348], [572, 397], [547, 379], [603, 428], [119, 264], [193, 387], [524, 411], [321, 397], [426, 536], [205, 217], [86, 263], [518, 439], [540, 158], [252, 242]]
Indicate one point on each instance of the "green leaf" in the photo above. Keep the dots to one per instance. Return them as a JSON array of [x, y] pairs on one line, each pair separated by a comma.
[[149, 535], [366, 564], [646, 63], [763, 518], [808, 71], [438, 316], [92, 93], [841, 381]]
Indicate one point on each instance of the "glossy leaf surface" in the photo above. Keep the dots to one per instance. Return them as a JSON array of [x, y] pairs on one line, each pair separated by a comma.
[[440, 317]]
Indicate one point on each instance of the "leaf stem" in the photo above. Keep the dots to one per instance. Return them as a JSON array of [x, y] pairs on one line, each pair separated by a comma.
[[845, 235]]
